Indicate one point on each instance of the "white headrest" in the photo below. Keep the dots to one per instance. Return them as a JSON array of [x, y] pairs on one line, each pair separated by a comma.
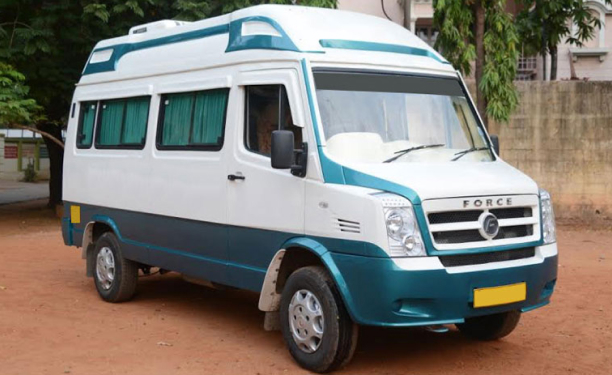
[[357, 147]]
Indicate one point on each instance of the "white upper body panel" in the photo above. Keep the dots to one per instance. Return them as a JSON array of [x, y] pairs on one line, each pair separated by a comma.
[[158, 51], [169, 182], [432, 180]]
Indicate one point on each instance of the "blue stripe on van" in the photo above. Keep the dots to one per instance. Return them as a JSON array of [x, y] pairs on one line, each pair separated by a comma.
[[379, 47]]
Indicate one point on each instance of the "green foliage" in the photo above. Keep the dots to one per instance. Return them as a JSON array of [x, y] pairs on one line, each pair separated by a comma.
[[455, 19], [50, 41], [16, 107], [500, 65], [544, 24]]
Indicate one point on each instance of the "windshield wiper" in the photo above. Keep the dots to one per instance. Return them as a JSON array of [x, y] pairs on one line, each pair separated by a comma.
[[461, 154], [401, 153]]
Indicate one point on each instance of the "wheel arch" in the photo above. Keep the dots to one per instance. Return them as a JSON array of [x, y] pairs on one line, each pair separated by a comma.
[[296, 253], [93, 230]]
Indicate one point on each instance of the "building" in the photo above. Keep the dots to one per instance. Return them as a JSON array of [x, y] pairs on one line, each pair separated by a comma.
[[18, 148], [592, 61], [421, 20]]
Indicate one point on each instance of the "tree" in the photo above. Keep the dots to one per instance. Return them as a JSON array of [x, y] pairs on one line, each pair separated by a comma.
[[17, 109], [15, 105], [543, 25], [484, 32], [50, 41]]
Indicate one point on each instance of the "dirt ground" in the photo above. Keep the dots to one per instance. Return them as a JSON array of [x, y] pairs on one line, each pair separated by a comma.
[[52, 321]]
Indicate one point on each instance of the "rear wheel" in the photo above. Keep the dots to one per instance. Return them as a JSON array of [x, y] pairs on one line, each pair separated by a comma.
[[316, 327], [490, 327], [115, 277]]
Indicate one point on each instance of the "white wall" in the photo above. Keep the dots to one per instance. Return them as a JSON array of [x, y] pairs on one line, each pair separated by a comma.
[[373, 7]]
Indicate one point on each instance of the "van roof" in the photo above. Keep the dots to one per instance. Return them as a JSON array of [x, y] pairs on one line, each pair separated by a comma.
[[263, 29]]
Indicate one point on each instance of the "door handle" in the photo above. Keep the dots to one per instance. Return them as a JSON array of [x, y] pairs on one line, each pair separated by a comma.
[[233, 177]]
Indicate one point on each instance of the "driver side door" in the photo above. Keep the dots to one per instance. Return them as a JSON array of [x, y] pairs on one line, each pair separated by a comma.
[[265, 206]]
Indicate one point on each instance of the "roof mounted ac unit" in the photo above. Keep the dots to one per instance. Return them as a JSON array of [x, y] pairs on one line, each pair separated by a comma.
[[158, 25]]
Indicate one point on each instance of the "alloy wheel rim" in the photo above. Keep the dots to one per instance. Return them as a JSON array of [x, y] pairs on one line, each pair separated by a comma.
[[306, 321], [105, 268]]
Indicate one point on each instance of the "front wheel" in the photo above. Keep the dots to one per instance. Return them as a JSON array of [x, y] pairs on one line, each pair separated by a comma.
[[115, 277], [490, 327], [316, 327]]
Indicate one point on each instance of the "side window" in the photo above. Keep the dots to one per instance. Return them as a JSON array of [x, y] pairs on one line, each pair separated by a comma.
[[193, 120], [87, 119], [267, 109], [122, 123]]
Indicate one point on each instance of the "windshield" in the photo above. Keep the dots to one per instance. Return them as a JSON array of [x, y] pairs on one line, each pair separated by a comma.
[[383, 118]]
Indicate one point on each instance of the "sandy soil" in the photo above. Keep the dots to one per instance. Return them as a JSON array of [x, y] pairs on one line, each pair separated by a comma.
[[52, 321]]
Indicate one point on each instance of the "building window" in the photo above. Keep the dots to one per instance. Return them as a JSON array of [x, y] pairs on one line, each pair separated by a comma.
[[87, 119], [122, 123], [267, 109], [527, 68], [192, 120], [425, 30]]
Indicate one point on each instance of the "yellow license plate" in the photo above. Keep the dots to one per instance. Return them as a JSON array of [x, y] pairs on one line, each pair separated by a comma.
[[500, 295]]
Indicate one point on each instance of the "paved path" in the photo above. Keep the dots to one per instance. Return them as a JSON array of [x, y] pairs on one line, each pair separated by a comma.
[[12, 192]]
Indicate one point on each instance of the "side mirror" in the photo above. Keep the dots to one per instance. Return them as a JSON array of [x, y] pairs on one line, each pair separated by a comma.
[[495, 143], [282, 149]]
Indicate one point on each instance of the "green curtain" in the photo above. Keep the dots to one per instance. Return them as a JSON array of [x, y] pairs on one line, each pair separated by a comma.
[[209, 117], [177, 119], [110, 125], [89, 116], [135, 125]]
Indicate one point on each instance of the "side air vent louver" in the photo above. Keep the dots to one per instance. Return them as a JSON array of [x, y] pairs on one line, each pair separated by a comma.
[[348, 226]]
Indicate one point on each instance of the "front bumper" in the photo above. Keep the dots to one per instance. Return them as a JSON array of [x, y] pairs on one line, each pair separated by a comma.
[[378, 292]]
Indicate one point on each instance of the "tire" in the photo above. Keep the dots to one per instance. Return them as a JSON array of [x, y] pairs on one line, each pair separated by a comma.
[[490, 327], [122, 285], [338, 334]]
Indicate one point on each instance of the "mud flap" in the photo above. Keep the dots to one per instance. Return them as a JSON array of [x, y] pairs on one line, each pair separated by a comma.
[[272, 321], [91, 261]]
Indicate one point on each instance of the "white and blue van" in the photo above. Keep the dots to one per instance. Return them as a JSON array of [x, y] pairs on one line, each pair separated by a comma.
[[328, 160]]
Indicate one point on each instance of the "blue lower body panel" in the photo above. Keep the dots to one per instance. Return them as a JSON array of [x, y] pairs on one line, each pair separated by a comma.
[[382, 294], [376, 291]]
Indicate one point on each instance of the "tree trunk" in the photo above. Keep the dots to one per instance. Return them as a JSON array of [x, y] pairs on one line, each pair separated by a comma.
[[481, 101], [56, 161], [544, 54], [553, 62]]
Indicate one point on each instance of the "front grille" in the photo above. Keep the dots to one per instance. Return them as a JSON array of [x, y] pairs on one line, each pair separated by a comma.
[[453, 227], [461, 236], [514, 232], [473, 215], [512, 213], [454, 217], [458, 236], [475, 259]]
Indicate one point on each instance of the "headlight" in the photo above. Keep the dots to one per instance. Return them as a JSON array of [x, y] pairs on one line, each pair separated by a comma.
[[402, 228], [549, 233]]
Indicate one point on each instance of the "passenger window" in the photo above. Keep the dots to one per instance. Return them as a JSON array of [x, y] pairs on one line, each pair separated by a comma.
[[193, 120], [122, 123], [87, 119], [267, 109]]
